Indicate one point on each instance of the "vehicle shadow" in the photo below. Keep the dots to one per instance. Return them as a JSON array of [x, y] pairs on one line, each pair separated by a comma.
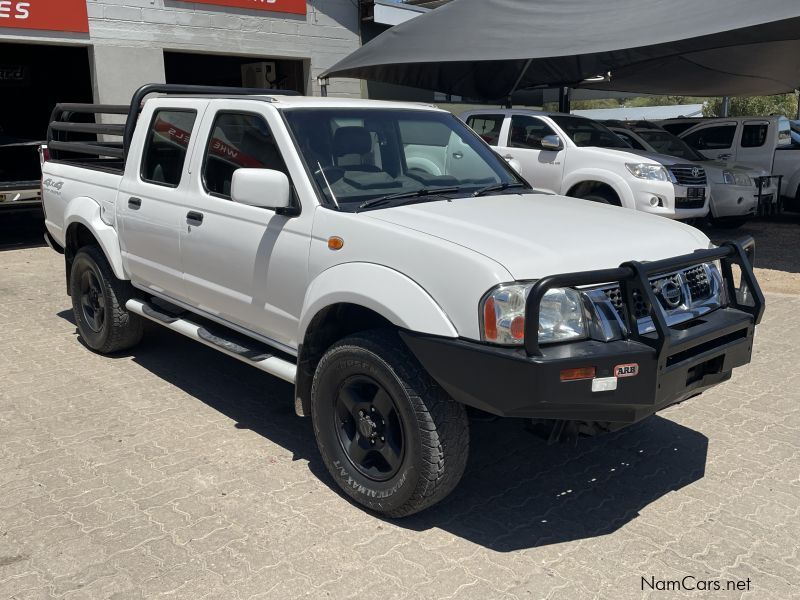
[[517, 491], [21, 229]]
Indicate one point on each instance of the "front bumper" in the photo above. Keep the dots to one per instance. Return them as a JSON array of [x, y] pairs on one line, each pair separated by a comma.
[[673, 364], [735, 200]]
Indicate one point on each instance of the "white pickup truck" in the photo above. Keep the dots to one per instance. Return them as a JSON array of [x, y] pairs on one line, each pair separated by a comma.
[[579, 157], [764, 142], [292, 234]]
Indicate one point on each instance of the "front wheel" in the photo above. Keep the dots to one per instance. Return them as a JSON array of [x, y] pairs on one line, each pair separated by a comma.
[[98, 303], [388, 434]]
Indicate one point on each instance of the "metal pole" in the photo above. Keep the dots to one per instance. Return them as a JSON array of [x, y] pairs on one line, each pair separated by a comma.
[[726, 106], [564, 99]]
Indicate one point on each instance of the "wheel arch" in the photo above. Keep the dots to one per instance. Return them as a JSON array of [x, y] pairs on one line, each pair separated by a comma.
[[356, 297], [83, 226], [583, 181]]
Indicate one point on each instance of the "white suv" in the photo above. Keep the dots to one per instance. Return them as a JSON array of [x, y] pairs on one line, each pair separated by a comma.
[[576, 156]]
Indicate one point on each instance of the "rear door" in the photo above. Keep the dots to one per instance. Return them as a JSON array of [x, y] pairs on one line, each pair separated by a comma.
[[244, 265], [714, 140], [755, 144], [544, 169], [149, 203]]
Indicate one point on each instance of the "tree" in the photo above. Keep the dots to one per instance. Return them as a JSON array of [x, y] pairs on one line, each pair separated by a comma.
[[755, 106]]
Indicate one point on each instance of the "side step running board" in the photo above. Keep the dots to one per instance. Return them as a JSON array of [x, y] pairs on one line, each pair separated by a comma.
[[217, 337]]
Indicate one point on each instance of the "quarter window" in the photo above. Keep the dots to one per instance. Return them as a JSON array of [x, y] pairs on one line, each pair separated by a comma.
[[238, 141], [527, 132], [487, 126], [165, 149], [719, 137]]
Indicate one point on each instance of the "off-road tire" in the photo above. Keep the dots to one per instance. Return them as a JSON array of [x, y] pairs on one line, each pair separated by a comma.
[[435, 427], [120, 329]]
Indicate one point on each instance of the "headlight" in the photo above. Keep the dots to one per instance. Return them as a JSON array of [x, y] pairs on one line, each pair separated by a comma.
[[649, 171], [732, 178], [561, 315]]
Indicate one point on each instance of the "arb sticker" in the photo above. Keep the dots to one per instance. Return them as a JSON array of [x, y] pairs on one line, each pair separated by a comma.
[[628, 370]]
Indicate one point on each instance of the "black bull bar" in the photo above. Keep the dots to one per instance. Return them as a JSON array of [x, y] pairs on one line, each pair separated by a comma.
[[635, 276]]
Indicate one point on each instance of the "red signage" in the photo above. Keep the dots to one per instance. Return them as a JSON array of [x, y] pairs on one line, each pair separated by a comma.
[[50, 15], [297, 7]]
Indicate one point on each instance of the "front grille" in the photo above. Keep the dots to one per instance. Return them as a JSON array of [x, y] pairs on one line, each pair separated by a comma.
[[689, 174], [695, 280]]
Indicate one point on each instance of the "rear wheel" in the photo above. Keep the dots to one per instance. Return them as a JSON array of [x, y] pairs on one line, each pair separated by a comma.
[[98, 303], [389, 436]]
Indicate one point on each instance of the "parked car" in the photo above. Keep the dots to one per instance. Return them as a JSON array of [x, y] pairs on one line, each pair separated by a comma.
[[736, 190], [20, 175], [292, 234], [764, 142], [579, 157]]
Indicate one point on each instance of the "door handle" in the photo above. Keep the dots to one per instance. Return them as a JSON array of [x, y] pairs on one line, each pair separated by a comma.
[[508, 157], [134, 203], [724, 156], [458, 155], [194, 216]]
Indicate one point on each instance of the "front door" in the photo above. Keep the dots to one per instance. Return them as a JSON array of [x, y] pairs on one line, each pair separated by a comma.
[[149, 203], [243, 264], [543, 168], [715, 140]]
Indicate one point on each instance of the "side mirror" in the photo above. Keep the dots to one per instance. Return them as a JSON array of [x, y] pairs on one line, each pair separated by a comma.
[[264, 188], [552, 142]]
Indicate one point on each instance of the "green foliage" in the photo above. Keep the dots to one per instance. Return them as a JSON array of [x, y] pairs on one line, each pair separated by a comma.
[[755, 106]]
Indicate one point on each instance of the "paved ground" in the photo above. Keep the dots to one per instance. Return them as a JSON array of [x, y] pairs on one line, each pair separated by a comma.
[[175, 471]]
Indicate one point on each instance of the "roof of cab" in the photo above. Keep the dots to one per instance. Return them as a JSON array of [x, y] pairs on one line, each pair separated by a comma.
[[285, 102]]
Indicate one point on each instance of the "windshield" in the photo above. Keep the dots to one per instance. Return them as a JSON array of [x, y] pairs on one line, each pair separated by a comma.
[[585, 132], [358, 155], [664, 142]]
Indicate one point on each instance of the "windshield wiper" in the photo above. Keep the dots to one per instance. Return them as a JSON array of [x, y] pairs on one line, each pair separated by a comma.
[[496, 187], [411, 195]]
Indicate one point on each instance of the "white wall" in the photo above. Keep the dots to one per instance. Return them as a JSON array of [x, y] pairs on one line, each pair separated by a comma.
[[129, 37]]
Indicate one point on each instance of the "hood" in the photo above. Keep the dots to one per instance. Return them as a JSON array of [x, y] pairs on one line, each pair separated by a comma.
[[534, 235]]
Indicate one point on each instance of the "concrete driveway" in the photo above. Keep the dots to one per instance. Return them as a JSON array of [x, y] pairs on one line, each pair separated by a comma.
[[174, 471]]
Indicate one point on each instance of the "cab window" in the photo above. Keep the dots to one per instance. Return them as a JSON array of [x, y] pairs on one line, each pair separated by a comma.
[[632, 142], [165, 148], [487, 126], [754, 135], [717, 137], [527, 132], [238, 141]]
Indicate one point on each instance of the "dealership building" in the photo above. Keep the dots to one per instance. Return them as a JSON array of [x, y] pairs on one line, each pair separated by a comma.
[[101, 50]]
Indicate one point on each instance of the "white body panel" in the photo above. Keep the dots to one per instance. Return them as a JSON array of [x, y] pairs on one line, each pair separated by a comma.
[[727, 200], [423, 267], [558, 172], [775, 155]]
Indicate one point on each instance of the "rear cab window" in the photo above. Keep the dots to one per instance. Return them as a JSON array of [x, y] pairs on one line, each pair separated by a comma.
[[487, 126], [754, 134], [166, 145]]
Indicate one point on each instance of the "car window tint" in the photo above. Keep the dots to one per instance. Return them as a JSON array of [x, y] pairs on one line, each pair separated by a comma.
[[487, 126], [238, 141], [165, 149], [527, 132], [625, 137], [718, 137], [754, 135]]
